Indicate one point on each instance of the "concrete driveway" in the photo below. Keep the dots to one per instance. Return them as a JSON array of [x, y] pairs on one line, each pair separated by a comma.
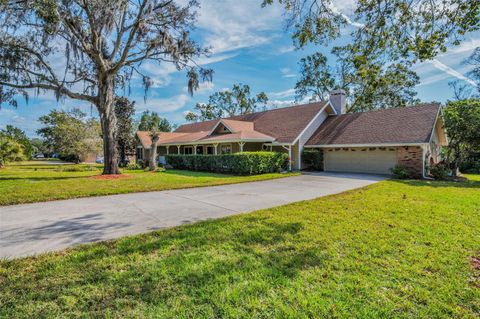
[[35, 228]]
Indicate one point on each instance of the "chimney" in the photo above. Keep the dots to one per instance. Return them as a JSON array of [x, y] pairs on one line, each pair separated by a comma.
[[338, 99]]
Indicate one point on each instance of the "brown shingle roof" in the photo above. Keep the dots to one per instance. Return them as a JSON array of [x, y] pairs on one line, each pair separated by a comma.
[[202, 136], [238, 126], [283, 124], [242, 135], [146, 140], [397, 125]]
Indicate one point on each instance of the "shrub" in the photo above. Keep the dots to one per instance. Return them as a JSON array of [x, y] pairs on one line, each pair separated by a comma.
[[470, 167], [400, 172], [78, 168], [134, 166], [72, 158], [439, 171], [246, 163], [313, 159]]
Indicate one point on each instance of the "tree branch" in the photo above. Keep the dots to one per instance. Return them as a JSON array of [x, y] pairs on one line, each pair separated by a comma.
[[131, 36], [63, 90]]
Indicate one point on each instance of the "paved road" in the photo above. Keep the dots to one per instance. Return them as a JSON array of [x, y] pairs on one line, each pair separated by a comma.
[[35, 228]]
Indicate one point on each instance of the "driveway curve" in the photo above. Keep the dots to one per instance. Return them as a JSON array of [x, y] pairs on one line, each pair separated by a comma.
[[31, 229]]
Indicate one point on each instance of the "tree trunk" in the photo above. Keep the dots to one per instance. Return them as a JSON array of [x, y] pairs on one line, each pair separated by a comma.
[[122, 154], [457, 160], [152, 165], [108, 120]]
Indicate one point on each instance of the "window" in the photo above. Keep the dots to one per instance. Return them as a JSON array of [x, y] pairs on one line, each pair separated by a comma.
[[187, 150], [226, 149], [139, 153], [199, 150], [210, 150]]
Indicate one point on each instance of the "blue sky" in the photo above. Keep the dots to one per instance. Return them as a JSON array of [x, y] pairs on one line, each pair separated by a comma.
[[249, 45]]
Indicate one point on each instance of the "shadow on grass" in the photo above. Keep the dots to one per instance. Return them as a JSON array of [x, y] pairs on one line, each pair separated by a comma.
[[196, 174], [156, 268], [45, 164], [43, 178]]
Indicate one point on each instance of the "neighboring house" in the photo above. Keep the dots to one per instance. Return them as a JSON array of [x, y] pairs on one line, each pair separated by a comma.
[[369, 142]]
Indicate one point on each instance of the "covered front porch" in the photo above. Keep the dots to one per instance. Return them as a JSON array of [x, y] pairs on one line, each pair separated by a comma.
[[228, 148]]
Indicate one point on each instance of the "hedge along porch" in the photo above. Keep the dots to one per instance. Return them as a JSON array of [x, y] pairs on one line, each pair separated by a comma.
[[221, 149], [244, 163]]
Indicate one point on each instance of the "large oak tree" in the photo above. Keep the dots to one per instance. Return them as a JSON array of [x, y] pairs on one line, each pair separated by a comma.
[[371, 86], [104, 44], [403, 29], [385, 38], [462, 122]]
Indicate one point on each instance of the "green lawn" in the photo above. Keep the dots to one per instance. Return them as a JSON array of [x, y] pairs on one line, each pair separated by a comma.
[[36, 181], [394, 249]]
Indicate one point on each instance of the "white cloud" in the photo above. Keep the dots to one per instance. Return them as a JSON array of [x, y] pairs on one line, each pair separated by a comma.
[[465, 46], [214, 58], [203, 87], [285, 103], [282, 94], [344, 8], [280, 103], [451, 72], [164, 105], [287, 73], [232, 25], [10, 117], [286, 49], [161, 73]]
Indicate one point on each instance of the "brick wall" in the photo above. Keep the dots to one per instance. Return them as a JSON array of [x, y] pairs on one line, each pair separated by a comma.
[[411, 158]]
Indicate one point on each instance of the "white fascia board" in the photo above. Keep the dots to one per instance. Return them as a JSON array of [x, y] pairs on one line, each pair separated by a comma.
[[217, 142], [313, 120], [435, 125], [280, 144], [365, 145], [216, 125]]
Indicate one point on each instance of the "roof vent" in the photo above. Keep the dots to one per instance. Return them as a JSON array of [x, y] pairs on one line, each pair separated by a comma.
[[338, 99]]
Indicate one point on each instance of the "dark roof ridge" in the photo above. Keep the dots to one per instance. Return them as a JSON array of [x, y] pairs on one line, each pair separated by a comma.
[[276, 109], [235, 117]]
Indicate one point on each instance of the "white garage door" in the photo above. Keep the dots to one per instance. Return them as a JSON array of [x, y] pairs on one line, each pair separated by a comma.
[[369, 161]]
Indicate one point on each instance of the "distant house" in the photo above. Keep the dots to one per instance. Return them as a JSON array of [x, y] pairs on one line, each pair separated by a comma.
[[369, 142]]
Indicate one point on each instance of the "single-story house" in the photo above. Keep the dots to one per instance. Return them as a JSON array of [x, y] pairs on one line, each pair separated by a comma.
[[368, 142]]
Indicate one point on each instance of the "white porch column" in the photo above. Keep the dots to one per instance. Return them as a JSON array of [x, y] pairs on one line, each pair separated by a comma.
[[178, 149], [194, 149], [215, 149], [241, 146], [167, 148], [290, 158]]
